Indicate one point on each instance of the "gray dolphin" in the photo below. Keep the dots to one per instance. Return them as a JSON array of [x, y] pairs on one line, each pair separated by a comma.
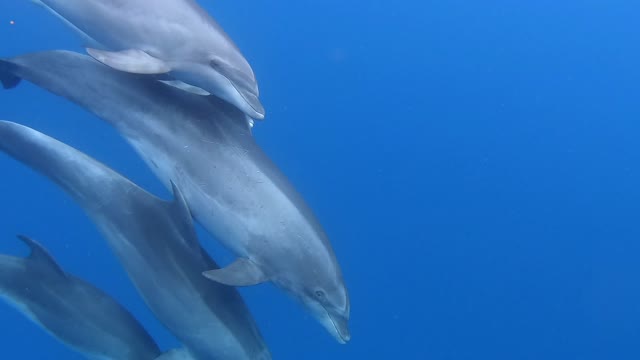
[[155, 242], [232, 188], [73, 311], [173, 37]]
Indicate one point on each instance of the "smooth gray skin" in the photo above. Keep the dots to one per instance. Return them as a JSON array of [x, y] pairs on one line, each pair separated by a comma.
[[73, 311], [178, 35], [155, 242], [233, 189]]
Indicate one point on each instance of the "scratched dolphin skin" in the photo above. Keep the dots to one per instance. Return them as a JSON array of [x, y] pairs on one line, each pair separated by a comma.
[[75, 312], [174, 38], [233, 189], [155, 242]]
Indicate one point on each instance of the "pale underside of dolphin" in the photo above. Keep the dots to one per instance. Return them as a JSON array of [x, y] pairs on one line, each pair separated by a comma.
[[73, 311], [233, 189], [156, 244], [174, 38]]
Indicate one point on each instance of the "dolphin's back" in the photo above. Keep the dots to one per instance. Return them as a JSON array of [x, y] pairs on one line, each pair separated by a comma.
[[78, 78], [206, 147], [74, 171], [114, 23], [116, 96], [125, 100], [75, 312]]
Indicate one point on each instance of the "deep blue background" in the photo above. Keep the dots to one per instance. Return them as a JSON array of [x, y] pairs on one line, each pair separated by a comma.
[[475, 164]]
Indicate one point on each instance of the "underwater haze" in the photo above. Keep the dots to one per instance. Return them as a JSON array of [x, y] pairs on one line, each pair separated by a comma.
[[476, 165]]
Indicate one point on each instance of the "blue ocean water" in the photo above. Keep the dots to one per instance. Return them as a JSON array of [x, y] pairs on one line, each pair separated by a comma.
[[475, 164]]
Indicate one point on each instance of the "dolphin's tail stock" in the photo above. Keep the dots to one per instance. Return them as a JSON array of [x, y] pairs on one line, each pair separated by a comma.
[[7, 75]]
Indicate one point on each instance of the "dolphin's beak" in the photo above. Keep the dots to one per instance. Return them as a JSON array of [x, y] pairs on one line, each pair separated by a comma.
[[246, 86], [339, 327], [252, 100]]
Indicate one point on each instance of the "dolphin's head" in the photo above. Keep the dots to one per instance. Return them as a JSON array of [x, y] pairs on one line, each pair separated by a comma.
[[244, 88], [319, 286], [329, 304], [227, 77]]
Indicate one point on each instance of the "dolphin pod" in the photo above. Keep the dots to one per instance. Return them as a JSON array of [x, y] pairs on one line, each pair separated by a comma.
[[73, 311], [205, 147], [168, 78], [175, 38], [156, 244]]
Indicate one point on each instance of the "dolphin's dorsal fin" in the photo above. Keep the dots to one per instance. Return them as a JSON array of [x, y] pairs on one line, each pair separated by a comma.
[[175, 354], [242, 272], [132, 61], [40, 255], [182, 214]]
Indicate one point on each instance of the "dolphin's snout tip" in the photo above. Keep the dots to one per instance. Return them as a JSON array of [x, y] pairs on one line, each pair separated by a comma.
[[253, 106], [341, 326], [344, 338], [260, 116], [256, 106]]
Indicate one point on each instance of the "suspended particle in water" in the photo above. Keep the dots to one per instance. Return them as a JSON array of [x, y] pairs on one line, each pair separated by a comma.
[[11, 22]]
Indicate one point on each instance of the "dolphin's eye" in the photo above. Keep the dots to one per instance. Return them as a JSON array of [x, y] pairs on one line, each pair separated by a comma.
[[319, 294], [215, 63]]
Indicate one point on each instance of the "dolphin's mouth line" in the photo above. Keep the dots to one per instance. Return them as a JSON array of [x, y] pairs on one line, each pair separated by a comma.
[[340, 334], [241, 93]]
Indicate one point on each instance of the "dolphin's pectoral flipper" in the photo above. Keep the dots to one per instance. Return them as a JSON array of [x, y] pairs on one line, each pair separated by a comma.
[[242, 272], [186, 87], [40, 255], [132, 61], [167, 79], [7, 77]]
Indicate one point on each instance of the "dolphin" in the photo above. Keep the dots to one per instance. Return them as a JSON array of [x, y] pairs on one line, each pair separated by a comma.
[[70, 309], [155, 242], [173, 38], [233, 189]]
